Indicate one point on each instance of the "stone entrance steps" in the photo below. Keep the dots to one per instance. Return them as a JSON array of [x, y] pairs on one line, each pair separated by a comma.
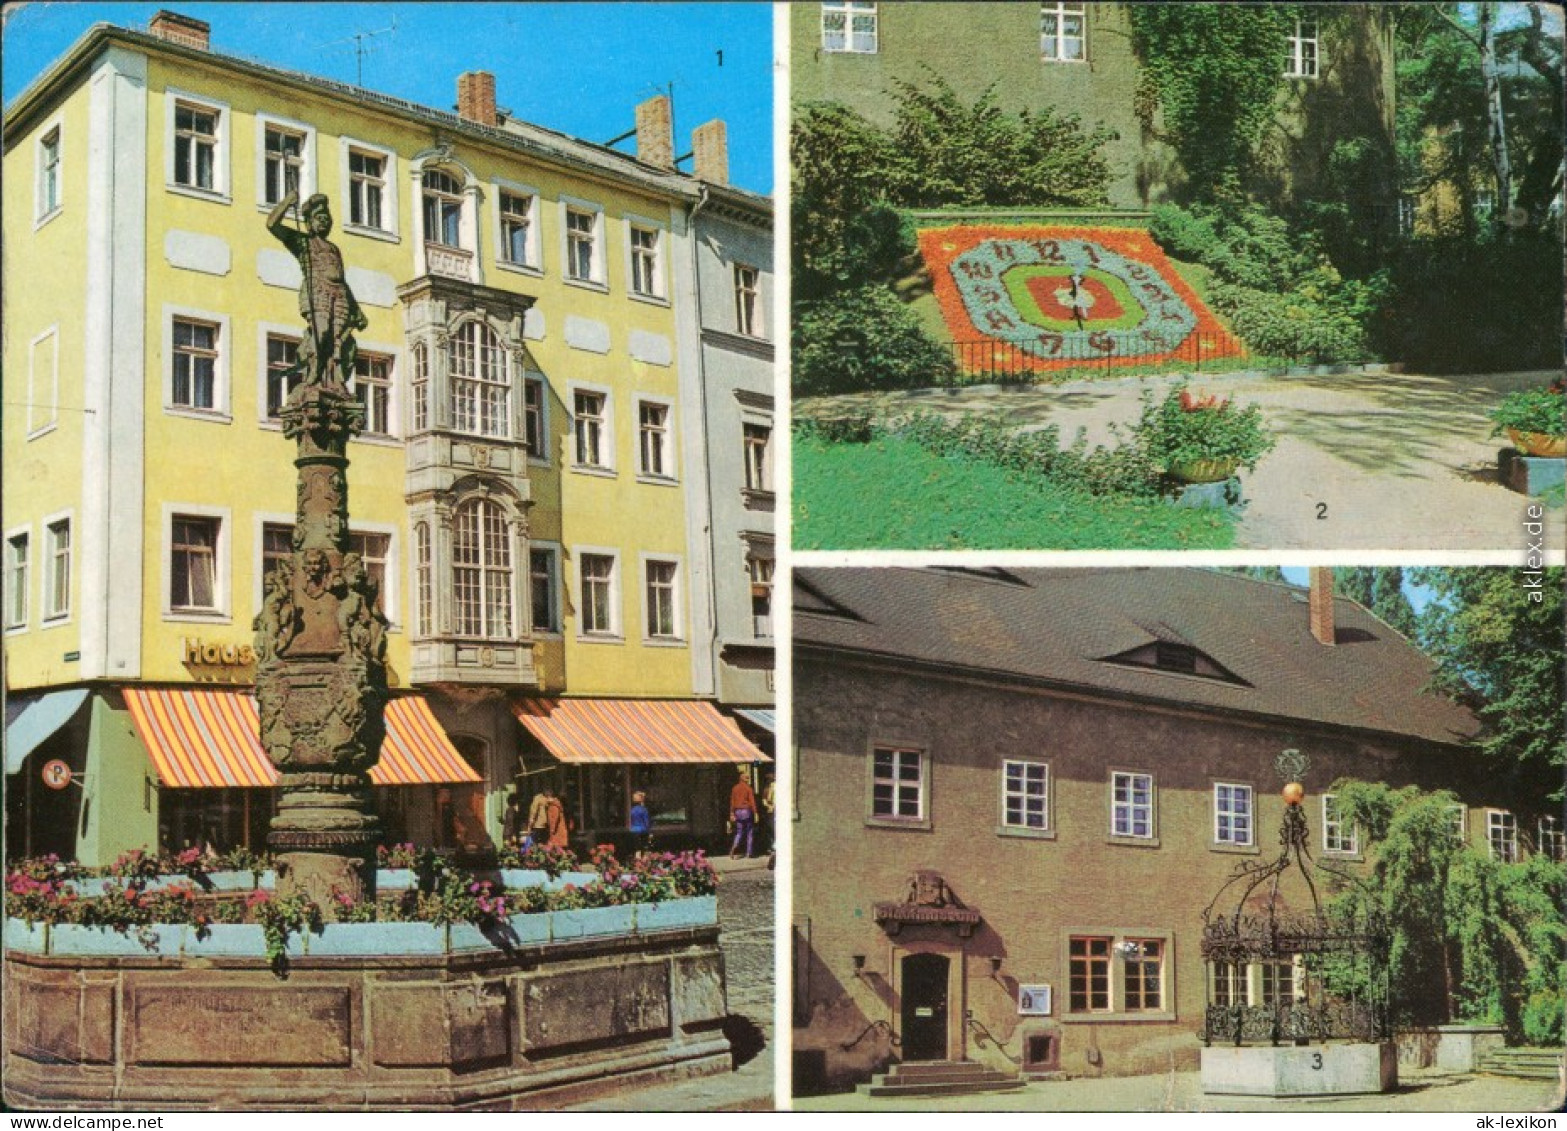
[[1529, 1064], [941, 1078]]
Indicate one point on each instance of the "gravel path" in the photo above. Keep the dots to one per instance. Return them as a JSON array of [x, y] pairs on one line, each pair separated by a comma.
[[1389, 461]]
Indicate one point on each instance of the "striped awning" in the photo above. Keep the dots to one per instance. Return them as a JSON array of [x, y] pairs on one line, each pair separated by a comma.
[[211, 740], [635, 731], [766, 720]]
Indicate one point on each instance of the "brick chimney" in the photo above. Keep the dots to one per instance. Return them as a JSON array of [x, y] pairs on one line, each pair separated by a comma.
[[655, 133], [184, 30], [710, 147], [476, 98], [1322, 604]]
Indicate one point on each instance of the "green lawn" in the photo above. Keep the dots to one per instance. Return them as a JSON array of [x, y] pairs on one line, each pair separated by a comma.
[[892, 494]]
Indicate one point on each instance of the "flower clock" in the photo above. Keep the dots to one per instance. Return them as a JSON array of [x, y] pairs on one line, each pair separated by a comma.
[[1057, 297]]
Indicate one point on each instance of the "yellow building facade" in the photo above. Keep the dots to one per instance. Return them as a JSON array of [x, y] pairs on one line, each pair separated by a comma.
[[522, 489]]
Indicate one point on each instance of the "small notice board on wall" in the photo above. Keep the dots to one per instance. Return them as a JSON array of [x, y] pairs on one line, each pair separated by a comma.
[[1033, 1001]]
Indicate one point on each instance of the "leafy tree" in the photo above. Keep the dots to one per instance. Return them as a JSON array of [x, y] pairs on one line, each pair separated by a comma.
[[1261, 573], [838, 185], [1474, 938], [865, 338], [1499, 644], [1380, 589]]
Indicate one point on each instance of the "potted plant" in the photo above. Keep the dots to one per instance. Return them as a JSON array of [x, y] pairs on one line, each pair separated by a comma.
[[1533, 420], [1201, 438]]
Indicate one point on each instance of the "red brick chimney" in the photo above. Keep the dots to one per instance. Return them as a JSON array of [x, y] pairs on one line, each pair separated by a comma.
[[710, 150], [655, 133], [476, 98], [1322, 604], [184, 30]]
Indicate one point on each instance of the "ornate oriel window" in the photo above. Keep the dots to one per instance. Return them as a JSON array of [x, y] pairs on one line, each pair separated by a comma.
[[481, 391], [481, 571]]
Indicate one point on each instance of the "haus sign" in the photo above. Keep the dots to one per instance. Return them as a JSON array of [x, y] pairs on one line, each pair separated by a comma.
[[212, 654]]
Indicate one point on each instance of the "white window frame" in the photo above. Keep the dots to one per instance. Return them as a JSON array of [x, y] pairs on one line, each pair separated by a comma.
[[597, 279], [265, 332], [659, 273], [222, 611], [372, 351], [40, 422], [758, 479], [55, 608], [220, 190], [1220, 835], [534, 264], [901, 751], [17, 587], [606, 445], [1297, 66], [220, 409], [459, 195], [1057, 40], [44, 208], [557, 611], [614, 634], [1014, 828], [669, 474], [1505, 823], [480, 382], [758, 550], [1551, 839], [1334, 839], [1460, 814], [423, 600], [848, 10], [677, 612], [1131, 807], [389, 229], [533, 379], [750, 316], [485, 567], [307, 157]]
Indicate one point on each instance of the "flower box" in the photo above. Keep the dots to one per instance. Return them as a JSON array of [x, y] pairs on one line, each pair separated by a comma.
[[531, 929], [230, 940], [375, 939], [697, 911], [33, 938], [71, 938], [396, 879], [515, 879], [575, 879], [587, 922]]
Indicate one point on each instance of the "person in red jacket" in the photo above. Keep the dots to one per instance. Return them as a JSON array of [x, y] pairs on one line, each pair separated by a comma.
[[742, 814]]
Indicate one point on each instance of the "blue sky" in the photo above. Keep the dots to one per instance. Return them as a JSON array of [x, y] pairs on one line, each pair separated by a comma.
[[1419, 596], [577, 68]]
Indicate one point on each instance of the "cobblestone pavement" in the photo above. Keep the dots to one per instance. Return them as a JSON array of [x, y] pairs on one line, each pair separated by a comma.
[[1420, 1090], [1390, 461], [745, 920]]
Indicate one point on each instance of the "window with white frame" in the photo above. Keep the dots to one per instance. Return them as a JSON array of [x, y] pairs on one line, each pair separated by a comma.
[[277, 546], [544, 587], [367, 190], [43, 381], [49, 189], [1062, 38], [16, 579], [647, 277], [748, 311], [481, 570], [759, 567], [481, 393], [1232, 813], [849, 27], [518, 245], [597, 583], [1301, 63], [419, 387], [1552, 842], [193, 563], [424, 581], [661, 580], [1132, 805], [442, 208], [897, 784], [1142, 968], [1501, 830], [375, 550], [282, 377], [534, 420], [758, 440], [654, 449], [1459, 815], [283, 163], [57, 566], [372, 387], [1276, 983], [1337, 834], [582, 254], [1089, 974], [590, 425], [194, 376], [1025, 795], [197, 144], [1227, 983]]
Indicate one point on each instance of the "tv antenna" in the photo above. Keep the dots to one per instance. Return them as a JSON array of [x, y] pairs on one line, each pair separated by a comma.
[[362, 47]]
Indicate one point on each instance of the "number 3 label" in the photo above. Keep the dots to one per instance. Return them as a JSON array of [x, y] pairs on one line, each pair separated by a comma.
[[1316, 1060]]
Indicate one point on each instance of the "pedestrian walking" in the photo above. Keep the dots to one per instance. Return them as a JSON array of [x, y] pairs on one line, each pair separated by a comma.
[[539, 816], [558, 829], [640, 824], [742, 814]]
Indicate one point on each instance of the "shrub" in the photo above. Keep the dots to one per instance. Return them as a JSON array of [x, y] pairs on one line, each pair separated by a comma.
[[1183, 427], [863, 339], [539, 858], [847, 426], [1532, 410], [1290, 325]]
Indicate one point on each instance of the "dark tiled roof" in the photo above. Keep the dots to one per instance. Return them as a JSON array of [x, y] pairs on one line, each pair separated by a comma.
[[1065, 625]]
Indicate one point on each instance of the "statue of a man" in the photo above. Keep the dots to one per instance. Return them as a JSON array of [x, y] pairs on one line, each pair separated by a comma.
[[327, 305]]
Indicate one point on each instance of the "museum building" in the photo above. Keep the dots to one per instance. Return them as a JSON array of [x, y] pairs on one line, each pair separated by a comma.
[[563, 490], [1018, 790]]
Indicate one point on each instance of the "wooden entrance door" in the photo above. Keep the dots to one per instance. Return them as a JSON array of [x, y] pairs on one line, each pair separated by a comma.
[[925, 1006]]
